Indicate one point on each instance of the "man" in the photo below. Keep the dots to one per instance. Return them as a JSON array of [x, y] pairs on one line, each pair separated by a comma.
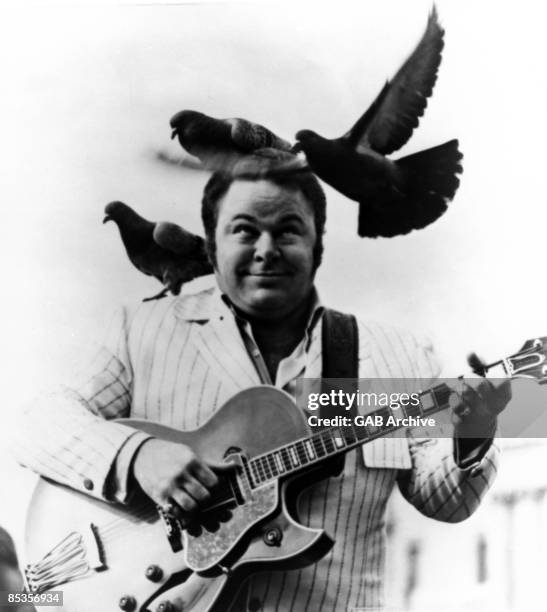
[[178, 360]]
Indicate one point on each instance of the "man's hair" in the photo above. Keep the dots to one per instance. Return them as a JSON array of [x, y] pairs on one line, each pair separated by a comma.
[[279, 167]]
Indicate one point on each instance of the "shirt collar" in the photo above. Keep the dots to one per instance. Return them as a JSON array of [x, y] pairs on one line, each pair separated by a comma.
[[202, 301], [316, 311]]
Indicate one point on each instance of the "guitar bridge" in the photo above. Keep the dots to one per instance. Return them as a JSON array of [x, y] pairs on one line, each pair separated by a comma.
[[173, 529], [72, 558]]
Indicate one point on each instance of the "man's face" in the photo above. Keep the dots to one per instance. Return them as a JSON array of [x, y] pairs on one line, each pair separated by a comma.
[[265, 236]]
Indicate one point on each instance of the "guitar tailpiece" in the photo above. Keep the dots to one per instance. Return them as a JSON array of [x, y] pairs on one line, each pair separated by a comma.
[[73, 558]]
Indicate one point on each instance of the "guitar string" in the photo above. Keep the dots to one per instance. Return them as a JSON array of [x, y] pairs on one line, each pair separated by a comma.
[[267, 469], [265, 464]]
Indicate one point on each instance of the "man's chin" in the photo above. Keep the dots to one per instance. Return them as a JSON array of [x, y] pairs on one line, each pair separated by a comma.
[[268, 303]]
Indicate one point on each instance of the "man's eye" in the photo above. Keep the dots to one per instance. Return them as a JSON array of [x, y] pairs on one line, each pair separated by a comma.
[[290, 230], [244, 229]]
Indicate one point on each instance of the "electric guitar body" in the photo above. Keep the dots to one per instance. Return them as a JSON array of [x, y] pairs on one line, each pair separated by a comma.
[[109, 557]]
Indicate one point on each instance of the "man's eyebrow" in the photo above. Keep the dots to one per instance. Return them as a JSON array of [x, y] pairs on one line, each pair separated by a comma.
[[244, 216], [291, 217]]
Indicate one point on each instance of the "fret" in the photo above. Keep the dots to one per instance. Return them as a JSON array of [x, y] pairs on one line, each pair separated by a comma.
[[413, 411], [259, 471], [254, 471], [286, 458], [266, 467], [278, 462], [339, 440], [428, 402], [294, 456], [326, 437], [349, 435], [371, 430], [272, 465], [319, 448], [361, 433], [442, 395], [385, 413], [310, 449], [301, 450]]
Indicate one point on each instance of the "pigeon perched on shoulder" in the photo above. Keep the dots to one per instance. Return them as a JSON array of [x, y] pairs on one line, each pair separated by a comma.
[[164, 250], [395, 196], [220, 143]]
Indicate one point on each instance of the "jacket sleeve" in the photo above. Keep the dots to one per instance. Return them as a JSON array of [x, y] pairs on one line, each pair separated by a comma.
[[66, 435], [438, 487]]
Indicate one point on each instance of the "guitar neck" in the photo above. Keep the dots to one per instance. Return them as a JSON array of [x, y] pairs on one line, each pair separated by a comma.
[[530, 362], [337, 440]]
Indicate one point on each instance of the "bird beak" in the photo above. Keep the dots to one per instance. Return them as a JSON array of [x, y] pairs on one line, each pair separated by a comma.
[[174, 133], [296, 149], [107, 218]]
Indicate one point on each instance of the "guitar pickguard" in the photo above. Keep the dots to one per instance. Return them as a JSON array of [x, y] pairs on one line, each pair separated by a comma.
[[207, 550]]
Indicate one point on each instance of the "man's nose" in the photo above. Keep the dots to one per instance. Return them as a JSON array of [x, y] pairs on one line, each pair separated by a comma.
[[266, 248]]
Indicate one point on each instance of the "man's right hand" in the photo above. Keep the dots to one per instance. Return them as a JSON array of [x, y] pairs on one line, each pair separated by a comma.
[[172, 475]]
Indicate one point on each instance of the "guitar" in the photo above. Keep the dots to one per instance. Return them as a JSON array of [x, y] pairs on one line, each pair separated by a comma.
[[109, 557]]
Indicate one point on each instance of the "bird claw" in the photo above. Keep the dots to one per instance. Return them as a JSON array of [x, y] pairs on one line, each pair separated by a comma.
[[158, 296]]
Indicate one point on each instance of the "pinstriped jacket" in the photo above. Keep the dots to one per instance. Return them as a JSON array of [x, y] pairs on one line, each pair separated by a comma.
[[176, 361]]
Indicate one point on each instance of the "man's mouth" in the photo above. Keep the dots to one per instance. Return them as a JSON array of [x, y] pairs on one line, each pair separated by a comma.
[[267, 273]]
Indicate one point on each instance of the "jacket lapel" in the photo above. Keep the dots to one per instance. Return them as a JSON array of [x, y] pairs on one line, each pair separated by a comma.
[[217, 338]]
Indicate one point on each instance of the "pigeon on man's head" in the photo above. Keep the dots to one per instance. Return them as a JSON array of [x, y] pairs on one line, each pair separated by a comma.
[[220, 143], [164, 250], [395, 196]]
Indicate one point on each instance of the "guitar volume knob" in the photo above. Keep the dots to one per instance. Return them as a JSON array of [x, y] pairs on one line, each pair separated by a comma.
[[127, 603], [273, 536], [154, 573], [166, 606]]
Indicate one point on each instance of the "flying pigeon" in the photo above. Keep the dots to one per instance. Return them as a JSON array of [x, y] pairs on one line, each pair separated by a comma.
[[395, 196], [220, 143], [164, 250]]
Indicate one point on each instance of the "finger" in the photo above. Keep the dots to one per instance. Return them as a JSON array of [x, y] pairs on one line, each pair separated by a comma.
[[210, 523], [194, 529], [205, 475], [224, 516], [184, 501], [224, 467], [477, 365], [502, 388], [475, 391], [195, 489]]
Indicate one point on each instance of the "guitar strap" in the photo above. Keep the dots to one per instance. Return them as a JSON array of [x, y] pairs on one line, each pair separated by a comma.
[[340, 342], [340, 346]]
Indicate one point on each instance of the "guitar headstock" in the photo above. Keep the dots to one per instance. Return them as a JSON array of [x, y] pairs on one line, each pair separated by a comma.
[[529, 362]]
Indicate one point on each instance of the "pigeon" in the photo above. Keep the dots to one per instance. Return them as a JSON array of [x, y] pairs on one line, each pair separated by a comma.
[[395, 196], [221, 143], [164, 250]]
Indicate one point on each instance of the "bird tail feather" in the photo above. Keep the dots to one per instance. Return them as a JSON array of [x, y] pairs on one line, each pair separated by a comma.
[[428, 182], [433, 170]]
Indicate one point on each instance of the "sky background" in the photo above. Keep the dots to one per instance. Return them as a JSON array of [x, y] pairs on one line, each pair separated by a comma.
[[86, 100]]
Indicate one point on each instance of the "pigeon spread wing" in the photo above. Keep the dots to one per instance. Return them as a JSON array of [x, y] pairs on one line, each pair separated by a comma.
[[389, 122]]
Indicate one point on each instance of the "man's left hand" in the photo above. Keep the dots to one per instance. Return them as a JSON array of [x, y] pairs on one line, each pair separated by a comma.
[[476, 404]]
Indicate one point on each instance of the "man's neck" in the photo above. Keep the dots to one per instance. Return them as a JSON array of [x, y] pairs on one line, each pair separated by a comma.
[[277, 338]]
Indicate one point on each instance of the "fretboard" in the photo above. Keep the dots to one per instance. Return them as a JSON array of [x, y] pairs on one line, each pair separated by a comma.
[[334, 441]]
